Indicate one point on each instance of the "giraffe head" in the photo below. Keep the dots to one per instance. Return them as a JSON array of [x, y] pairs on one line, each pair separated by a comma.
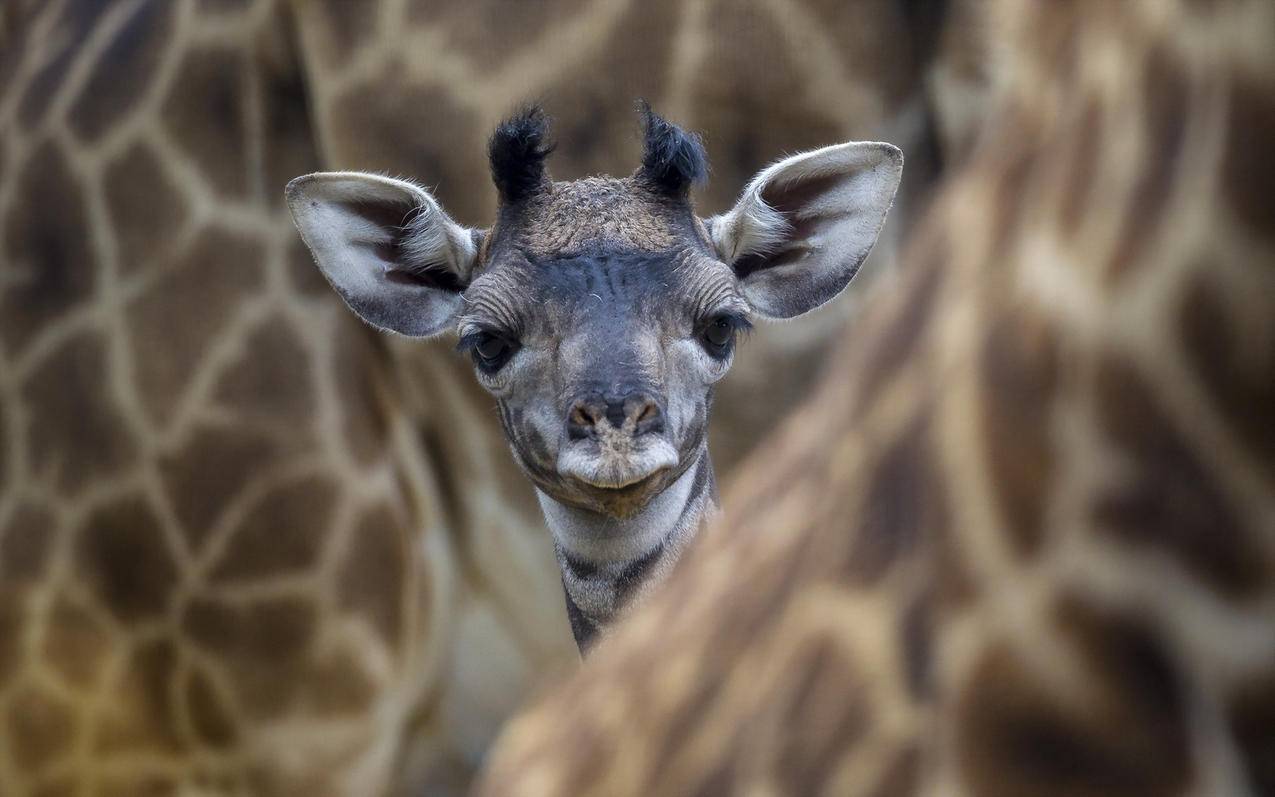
[[600, 312]]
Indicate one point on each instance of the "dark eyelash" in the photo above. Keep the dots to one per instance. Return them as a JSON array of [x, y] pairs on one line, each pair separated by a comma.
[[739, 323], [468, 342]]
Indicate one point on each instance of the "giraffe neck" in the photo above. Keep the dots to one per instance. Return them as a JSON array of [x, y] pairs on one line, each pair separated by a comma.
[[609, 562]]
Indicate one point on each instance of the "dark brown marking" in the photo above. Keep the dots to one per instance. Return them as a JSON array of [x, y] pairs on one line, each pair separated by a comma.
[[24, 543], [208, 472], [342, 26], [1248, 169], [121, 554], [119, 79], [1236, 365], [272, 381], [13, 608], [75, 643], [50, 267], [902, 775], [206, 116], [209, 717], [283, 533], [146, 209], [1019, 368], [1165, 88], [77, 434], [360, 363], [337, 685], [77, 20], [305, 277], [916, 629], [1251, 717], [288, 137], [1017, 735], [143, 716], [372, 578], [905, 505], [173, 324], [38, 728], [1173, 503], [1081, 164]]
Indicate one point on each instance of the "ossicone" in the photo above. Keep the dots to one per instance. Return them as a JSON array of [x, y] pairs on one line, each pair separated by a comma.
[[672, 159], [517, 151]]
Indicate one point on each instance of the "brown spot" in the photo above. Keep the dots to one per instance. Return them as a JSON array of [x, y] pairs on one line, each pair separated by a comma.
[[208, 472], [306, 279], [1172, 503], [916, 630], [1251, 717], [1016, 734], [1165, 86], [143, 784], [263, 647], [143, 717], [39, 728], [205, 115], [380, 131], [24, 543], [901, 775], [75, 643], [76, 433], [13, 609], [337, 685], [118, 81], [359, 365], [371, 579], [50, 267], [1236, 365], [1248, 171], [209, 717], [272, 380], [905, 504], [288, 138], [341, 27], [822, 719], [121, 555], [68, 35], [173, 324], [1081, 162], [486, 27], [146, 208], [1009, 178], [1019, 370], [223, 6], [282, 534]]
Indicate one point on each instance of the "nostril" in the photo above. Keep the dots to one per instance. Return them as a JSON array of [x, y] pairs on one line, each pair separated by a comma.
[[648, 413], [650, 419]]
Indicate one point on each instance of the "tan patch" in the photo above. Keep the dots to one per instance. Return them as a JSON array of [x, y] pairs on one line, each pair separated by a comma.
[[49, 267], [206, 115], [359, 365], [1019, 379], [272, 382], [1248, 171], [905, 505], [1083, 149], [371, 580], [208, 472], [1015, 734], [142, 717], [381, 131], [135, 784], [146, 208], [24, 543], [75, 643], [1173, 504], [1165, 88], [76, 433], [1236, 365], [174, 323], [902, 775], [39, 728], [119, 79], [211, 720], [282, 534], [121, 556]]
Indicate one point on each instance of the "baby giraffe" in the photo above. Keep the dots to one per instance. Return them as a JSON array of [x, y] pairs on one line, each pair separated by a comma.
[[600, 313]]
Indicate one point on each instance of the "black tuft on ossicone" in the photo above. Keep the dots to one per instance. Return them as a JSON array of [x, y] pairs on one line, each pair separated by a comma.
[[673, 160], [517, 150]]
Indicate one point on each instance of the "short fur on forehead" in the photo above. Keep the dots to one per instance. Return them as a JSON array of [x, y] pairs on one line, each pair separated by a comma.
[[517, 151], [672, 159]]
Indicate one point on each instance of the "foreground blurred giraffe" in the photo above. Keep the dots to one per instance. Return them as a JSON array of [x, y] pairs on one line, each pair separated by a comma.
[[1023, 540], [245, 545]]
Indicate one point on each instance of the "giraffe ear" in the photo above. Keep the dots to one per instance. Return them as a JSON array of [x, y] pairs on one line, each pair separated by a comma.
[[803, 226], [387, 247]]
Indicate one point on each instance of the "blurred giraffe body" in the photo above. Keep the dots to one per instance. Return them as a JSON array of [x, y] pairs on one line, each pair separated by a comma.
[[1022, 540], [247, 545]]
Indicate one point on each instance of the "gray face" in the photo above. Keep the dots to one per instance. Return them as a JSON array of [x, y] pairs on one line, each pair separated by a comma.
[[603, 363]]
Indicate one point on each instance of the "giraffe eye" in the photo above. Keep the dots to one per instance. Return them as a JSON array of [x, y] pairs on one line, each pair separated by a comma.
[[718, 334], [490, 350], [492, 347]]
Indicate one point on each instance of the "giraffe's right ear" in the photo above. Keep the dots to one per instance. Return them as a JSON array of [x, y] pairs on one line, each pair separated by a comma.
[[387, 247]]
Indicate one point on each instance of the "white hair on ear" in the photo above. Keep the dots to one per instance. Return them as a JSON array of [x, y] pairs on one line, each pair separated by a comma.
[[433, 242], [751, 227]]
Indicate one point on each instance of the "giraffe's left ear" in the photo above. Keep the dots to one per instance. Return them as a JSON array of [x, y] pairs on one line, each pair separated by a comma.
[[803, 226], [387, 247]]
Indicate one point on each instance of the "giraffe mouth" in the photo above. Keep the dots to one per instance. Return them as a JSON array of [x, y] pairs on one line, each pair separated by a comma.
[[604, 468]]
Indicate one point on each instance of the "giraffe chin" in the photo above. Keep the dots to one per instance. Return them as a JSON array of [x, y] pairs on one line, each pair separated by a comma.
[[617, 484]]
